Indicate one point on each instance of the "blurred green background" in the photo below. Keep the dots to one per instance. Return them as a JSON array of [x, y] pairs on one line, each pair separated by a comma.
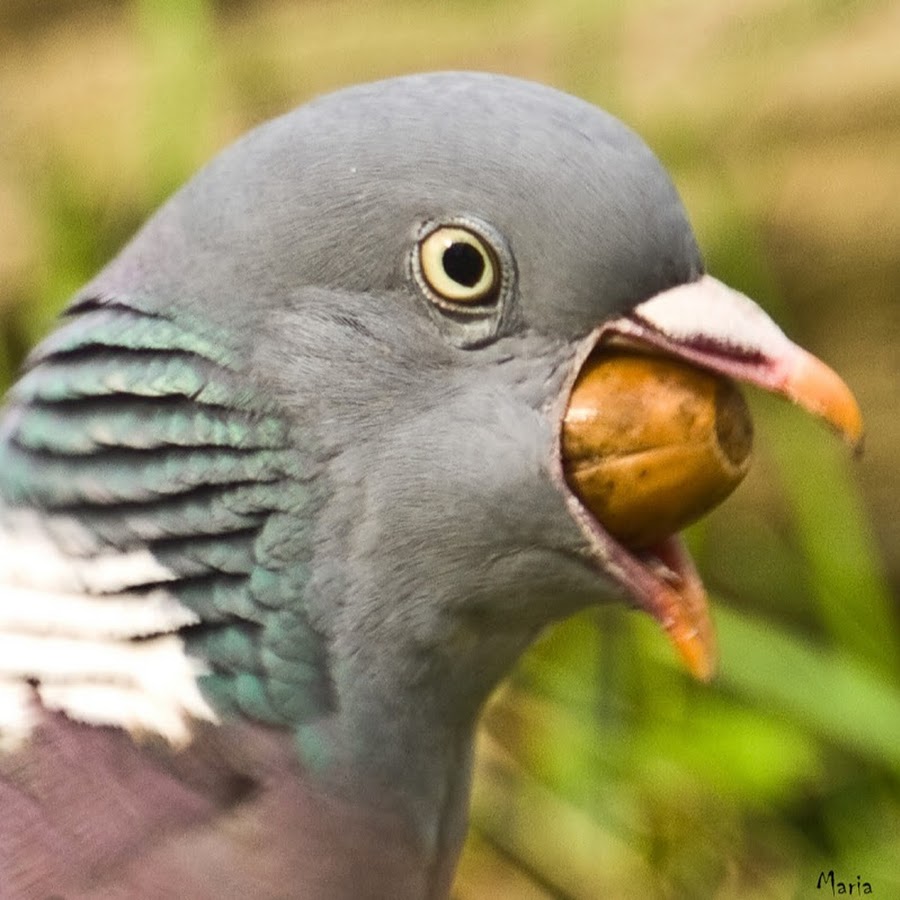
[[603, 771]]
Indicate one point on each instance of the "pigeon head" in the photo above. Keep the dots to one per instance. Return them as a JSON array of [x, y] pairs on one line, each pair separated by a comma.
[[303, 434], [424, 422]]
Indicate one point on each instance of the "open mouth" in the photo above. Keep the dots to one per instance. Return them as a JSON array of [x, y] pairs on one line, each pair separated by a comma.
[[665, 437]]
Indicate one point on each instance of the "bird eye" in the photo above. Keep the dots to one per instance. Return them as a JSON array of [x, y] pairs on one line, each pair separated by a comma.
[[458, 265]]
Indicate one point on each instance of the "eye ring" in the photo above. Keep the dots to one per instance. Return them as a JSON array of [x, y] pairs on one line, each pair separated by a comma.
[[458, 265]]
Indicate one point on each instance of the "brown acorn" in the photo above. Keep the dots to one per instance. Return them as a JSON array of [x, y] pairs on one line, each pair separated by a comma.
[[650, 444]]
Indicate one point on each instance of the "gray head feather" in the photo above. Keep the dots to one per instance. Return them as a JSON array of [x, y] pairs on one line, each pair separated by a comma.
[[331, 194]]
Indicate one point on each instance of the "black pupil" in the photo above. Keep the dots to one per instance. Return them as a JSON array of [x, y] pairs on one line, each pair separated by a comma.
[[463, 263]]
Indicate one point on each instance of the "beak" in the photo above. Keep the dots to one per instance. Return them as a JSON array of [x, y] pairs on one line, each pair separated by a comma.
[[721, 331]]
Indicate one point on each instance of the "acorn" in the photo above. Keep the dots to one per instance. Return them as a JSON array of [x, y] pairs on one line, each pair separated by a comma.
[[650, 443]]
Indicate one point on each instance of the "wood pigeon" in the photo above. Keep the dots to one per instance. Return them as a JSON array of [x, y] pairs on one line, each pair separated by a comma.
[[282, 498]]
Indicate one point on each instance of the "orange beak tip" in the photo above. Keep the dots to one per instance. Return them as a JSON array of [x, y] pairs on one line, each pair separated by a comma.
[[697, 653], [820, 390]]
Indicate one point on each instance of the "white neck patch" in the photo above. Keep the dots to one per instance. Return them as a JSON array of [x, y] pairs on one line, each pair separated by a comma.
[[68, 624]]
